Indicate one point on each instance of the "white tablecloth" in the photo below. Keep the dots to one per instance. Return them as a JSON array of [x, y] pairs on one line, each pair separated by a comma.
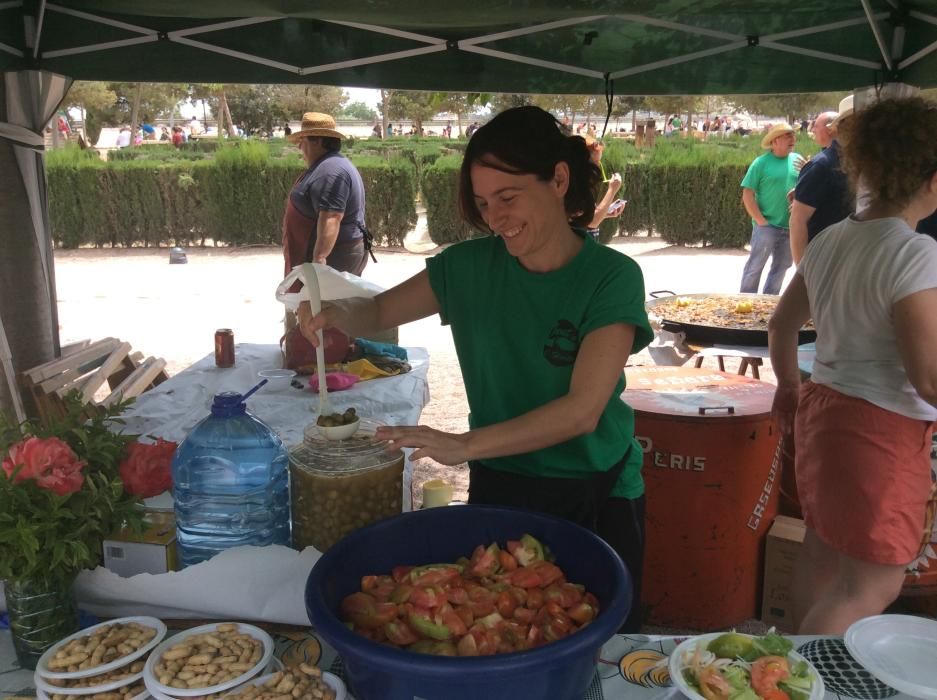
[[173, 408]]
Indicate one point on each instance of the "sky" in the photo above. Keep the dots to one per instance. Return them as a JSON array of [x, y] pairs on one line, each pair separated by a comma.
[[367, 95]]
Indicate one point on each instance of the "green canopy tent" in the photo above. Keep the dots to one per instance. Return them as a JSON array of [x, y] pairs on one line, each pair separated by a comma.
[[639, 47]]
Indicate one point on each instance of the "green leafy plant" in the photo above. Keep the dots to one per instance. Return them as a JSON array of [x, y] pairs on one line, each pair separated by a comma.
[[61, 493]]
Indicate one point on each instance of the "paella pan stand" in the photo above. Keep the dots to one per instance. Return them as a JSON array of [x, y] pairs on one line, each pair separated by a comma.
[[697, 334]]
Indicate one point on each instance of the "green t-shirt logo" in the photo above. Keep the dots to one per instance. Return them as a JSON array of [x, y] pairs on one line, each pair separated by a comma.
[[562, 345]]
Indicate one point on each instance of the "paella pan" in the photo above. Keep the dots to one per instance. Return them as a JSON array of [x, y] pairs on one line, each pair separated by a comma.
[[719, 319]]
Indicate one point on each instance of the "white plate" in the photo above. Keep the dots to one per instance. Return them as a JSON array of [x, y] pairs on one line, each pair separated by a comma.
[[156, 688], [42, 695], [899, 650], [42, 666], [331, 680], [675, 667], [44, 684]]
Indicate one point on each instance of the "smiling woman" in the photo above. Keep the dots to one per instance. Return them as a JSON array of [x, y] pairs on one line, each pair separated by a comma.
[[543, 319]]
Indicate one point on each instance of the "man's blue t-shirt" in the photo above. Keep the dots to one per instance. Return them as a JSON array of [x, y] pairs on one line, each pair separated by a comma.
[[823, 185], [332, 184]]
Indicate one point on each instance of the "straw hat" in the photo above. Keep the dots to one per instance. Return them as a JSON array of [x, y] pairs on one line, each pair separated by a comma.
[[774, 132], [845, 109], [316, 124]]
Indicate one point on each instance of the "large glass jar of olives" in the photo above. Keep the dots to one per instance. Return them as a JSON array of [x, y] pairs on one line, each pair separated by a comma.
[[340, 486]]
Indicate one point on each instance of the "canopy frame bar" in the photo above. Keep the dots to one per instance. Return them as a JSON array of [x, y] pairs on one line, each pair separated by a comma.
[[251, 58], [473, 44], [221, 26], [533, 29], [380, 58], [10, 5], [918, 55], [11, 50], [676, 60], [38, 34], [101, 20], [101, 47], [877, 33]]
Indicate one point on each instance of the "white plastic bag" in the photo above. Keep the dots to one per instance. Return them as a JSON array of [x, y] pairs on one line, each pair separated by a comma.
[[332, 285]]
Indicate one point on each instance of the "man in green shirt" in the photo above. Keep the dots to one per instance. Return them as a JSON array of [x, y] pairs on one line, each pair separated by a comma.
[[764, 195]]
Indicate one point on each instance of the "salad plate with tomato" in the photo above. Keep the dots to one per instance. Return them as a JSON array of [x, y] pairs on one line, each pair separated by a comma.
[[734, 666]]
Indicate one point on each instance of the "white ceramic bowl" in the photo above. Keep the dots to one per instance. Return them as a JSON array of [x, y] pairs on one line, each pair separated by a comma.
[[676, 667], [339, 432], [277, 379], [42, 666], [157, 689], [331, 680]]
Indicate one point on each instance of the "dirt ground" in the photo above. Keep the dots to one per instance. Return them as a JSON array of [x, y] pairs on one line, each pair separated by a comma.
[[172, 311]]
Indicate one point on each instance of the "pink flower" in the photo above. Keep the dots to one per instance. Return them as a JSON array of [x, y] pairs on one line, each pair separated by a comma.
[[146, 469], [50, 462]]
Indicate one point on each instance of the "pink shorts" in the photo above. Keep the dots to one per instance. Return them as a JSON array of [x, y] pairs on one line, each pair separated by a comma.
[[863, 475]]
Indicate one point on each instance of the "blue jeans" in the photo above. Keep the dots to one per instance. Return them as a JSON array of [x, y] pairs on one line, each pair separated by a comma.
[[767, 241]]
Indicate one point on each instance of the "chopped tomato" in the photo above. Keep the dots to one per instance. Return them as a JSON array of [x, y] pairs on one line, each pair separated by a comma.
[[767, 672], [495, 602]]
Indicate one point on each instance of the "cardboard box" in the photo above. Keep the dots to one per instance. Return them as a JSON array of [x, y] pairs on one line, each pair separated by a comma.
[[151, 552], [781, 549]]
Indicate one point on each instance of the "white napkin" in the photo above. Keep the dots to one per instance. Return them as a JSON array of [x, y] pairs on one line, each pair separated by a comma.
[[243, 583]]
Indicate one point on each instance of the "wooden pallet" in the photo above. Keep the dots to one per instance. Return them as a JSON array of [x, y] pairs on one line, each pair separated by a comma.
[[106, 367]]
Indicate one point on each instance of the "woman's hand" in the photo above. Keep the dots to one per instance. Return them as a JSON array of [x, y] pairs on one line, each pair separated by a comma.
[[784, 408], [445, 448], [309, 325]]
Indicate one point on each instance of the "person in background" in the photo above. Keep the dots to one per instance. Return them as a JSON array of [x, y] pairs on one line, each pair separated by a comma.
[[764, 195], [195, 127], [821, 197], [287, 130], [376, 131], [604, 209], [472, 128], [178, 136], [164, 134], [548, 428], [123, 137], [324, 220], [148, 131], [863, 422], [390, 130]]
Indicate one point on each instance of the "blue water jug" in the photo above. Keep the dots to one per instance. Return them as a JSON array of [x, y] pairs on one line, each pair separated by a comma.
[[230, 483]]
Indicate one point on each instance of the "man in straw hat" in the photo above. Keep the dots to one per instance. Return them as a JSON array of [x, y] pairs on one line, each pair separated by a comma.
[[324, 219], [764, 195], [821, 197]]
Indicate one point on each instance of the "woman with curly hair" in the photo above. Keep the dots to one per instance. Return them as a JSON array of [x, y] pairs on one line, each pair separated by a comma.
[[862, 424]]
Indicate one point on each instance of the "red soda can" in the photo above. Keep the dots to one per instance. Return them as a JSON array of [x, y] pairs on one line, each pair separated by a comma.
[[224, 347]]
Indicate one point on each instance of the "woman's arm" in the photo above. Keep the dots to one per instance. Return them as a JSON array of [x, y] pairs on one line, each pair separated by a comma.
[[601, 209], [916, 329], [362, 316], [601, 359], [792, 313]]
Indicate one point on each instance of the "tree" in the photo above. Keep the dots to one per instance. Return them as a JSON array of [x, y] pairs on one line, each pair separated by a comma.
[[92, 98], [792, 107], [358, 110], [265, 106], [412, 104], [503, 100], [462, 103]]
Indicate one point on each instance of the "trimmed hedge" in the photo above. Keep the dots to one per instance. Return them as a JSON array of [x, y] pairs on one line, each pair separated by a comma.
[[235, 198], [440, 185], [684, 191]]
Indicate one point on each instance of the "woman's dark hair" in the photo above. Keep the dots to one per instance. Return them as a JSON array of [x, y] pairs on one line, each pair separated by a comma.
[[530, 141]]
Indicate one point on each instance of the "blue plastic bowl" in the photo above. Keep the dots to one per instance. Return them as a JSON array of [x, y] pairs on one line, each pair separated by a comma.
[[561, 670]]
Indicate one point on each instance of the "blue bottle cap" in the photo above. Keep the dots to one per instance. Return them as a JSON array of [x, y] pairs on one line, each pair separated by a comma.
[[227, 404]]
